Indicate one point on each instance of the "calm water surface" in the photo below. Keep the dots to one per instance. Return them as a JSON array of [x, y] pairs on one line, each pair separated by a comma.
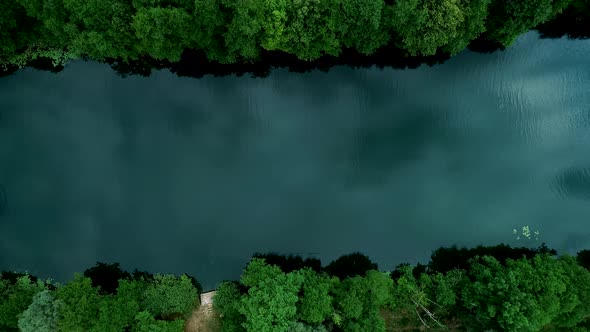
[[176, 175]]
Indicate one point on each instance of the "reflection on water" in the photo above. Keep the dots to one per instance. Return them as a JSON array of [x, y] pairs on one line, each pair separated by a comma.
[[176, 175], [573, 183], [3, 200]]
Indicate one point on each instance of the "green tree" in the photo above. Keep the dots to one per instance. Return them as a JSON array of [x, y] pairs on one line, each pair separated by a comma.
[[271, 302], [17, 30], [423, 26], [212, 21], [168, 296], [361, 25], [15, 298], [118, 312], [306, 28], [42, 315], [359, 299], [576, 299], [226, 303], [242, 37], [81, 305], [473, 25], [508, 19], [56, 30], [163, 33], [526, 295], [315, 304], [103, 28]]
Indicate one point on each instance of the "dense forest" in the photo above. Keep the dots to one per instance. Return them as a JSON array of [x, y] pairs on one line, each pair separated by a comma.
[[496, 288], [229, 31]]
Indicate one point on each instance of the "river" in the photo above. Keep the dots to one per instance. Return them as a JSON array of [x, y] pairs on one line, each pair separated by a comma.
[[173, 175]]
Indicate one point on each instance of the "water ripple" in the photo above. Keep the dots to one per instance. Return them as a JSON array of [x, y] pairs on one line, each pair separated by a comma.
[[2, 200], [572, 183]]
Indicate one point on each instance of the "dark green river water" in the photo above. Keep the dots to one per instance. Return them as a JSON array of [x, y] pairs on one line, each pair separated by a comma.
[[176, 175]]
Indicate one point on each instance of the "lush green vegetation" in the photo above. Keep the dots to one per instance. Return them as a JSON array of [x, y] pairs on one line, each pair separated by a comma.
[[104, 299], [481, 289], [230, 31]]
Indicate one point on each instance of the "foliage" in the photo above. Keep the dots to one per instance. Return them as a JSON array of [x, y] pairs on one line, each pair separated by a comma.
[[211, 23], [145, 322], [362, 26], [81, 305], [271, 302], [229, 31], [301, 327], [102, 28], [526, 295], [577, 293], [306, 28], [42, 315], [8, 26], [473, 25], [315, 302], [355, 264], [118, 312], [16, 298], [447, 259], [358, 300], [423, 26], [290, 263], [141, 303], [508, 19], [168, 296], [425, 295], [163, 33], [243, 30], [55, 30], [226, 303]]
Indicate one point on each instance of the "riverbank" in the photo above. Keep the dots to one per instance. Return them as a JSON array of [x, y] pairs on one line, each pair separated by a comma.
[[226, 46]]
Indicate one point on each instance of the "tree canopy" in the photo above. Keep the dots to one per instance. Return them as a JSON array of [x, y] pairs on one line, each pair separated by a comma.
[[230, 31]]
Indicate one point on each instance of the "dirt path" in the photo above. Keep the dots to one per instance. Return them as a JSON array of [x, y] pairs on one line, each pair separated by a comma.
[[203, 318]]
